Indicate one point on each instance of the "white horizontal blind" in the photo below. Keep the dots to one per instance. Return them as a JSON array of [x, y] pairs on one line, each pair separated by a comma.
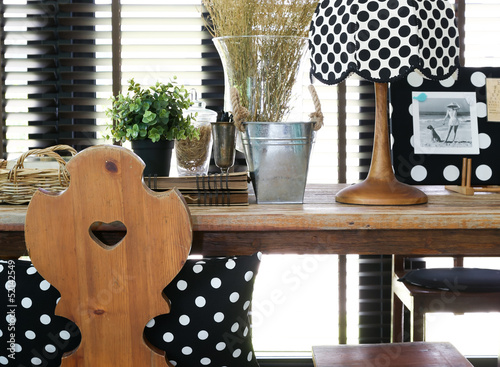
[[482, 32], [356, 144], [59, 75], [49, 79], [355, 126], [295, 304], [323, 163], [58, 72], [24, 50], [166, 38]]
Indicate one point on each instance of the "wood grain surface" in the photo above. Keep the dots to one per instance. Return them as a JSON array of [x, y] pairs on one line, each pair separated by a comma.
[[110, 290], [449, 223], [389, 355]]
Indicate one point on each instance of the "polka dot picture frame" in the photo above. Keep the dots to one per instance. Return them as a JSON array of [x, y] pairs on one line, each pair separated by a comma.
[[444, 167]]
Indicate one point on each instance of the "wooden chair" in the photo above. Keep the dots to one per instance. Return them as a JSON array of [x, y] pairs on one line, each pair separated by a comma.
[[106, 187], [422, 300]]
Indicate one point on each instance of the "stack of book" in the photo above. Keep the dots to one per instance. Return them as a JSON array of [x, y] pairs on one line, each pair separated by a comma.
[[211, 189]]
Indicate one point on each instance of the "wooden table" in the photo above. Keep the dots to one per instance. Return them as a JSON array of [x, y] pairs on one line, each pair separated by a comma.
[[449, 223], [418, 354]]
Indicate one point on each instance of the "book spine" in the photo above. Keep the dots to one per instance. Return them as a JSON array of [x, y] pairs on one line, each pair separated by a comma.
[[213, 190]]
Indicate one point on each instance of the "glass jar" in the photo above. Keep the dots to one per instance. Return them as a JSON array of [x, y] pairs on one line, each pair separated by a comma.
[[193, 155]]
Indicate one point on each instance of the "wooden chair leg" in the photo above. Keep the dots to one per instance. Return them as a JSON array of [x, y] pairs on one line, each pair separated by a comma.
[[397, 320], [418, 324]]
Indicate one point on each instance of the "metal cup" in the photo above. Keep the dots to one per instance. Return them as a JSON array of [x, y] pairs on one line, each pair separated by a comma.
[[224, 134]]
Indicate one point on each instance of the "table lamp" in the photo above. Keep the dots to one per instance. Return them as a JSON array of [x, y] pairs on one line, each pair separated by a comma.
[[381, 41]]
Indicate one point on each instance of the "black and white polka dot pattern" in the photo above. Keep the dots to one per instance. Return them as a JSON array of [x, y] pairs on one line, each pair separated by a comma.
[[208, 324], [382, 40], [30, 333], [443, 169]]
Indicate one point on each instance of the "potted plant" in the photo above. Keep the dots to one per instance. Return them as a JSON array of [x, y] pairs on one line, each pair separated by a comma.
[[152, 119], [261, 44]]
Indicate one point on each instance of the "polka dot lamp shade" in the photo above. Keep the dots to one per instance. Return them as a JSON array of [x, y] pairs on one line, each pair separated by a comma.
[[383, 40]]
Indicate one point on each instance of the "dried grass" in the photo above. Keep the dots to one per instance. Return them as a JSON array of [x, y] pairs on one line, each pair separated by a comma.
[[263, 69], [259, 17]]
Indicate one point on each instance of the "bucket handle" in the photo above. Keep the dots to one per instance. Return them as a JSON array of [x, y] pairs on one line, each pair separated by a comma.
[[317, 115], [240, 113]]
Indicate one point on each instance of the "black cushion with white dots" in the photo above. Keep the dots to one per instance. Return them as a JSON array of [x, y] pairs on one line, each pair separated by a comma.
[[30, 334], [208, 324]]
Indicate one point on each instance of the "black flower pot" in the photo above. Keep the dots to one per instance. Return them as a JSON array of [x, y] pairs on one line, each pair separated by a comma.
[[156, 156]]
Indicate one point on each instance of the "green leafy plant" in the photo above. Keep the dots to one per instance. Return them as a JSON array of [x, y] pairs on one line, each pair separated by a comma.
[[156, 113]]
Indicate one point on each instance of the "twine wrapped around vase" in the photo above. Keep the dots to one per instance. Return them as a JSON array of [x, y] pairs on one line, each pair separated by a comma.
[[240, 113]]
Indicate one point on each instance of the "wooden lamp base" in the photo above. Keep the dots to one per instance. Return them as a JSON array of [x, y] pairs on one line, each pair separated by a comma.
[[381, 192], [381, 186]]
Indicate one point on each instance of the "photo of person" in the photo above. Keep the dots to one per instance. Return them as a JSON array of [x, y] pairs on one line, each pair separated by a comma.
[[453, 122], [445, 123]]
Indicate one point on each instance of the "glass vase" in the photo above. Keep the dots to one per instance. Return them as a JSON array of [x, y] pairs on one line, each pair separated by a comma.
[[264, 71], [193, 155]]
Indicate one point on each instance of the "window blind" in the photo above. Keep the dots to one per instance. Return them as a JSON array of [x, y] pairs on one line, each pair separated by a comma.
[[166, 38], [64, 60], [343, 146], [50, 75], [482, 29], [28, 69]]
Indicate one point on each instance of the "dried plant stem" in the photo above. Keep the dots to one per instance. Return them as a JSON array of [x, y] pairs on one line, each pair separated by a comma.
[[263, 58], [260, 17], [263, 69]]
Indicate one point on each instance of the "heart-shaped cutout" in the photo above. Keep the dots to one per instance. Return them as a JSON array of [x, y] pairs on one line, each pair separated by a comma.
[[108, 235]]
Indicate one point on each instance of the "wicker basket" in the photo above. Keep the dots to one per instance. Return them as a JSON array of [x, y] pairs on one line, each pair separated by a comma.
[[19, 184]]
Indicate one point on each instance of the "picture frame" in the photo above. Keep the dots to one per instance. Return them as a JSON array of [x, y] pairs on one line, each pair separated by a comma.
[[418, 162], [445, 123]]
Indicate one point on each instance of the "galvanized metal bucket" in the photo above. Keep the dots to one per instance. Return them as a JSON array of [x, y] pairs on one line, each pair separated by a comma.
[[277, 155]]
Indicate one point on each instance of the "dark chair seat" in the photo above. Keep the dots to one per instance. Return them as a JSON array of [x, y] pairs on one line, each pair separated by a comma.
[[458, 290], [455, 279]]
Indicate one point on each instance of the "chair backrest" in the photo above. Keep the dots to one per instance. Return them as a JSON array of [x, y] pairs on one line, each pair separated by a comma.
[[109, 291]]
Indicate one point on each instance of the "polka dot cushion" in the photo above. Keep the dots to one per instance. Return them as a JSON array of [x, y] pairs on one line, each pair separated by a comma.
[[30, 333], [383, 40], [208, 324], [209, 320]]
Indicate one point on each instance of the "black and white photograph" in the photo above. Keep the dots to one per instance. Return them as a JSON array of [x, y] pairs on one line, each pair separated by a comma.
[[445, 123]]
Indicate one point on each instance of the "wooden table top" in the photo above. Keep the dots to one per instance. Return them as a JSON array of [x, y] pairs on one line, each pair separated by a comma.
[[417, 354], [447, 216], [445, 210]]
